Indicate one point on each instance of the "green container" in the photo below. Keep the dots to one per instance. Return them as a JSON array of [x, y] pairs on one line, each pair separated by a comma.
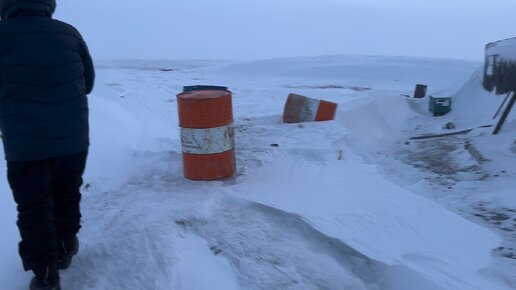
[[440, 106]]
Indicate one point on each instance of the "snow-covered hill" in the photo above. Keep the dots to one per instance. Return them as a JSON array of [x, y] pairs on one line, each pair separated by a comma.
[[331, 205]]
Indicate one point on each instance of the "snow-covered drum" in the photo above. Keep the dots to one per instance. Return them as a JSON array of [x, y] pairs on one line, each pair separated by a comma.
[[207, 134]]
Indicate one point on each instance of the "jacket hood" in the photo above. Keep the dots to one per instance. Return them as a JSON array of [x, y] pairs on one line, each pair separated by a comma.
[[12, 8]]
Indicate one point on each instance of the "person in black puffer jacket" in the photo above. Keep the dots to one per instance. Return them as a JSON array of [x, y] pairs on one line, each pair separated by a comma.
[[46, 72]]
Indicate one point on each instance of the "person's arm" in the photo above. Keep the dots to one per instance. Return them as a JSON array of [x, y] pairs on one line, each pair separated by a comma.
[[89, 69]]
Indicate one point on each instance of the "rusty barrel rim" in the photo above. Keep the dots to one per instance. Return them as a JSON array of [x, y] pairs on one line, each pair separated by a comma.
[[205, 109], [187, 89]]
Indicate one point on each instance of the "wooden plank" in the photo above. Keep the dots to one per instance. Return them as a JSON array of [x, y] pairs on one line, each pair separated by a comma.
[[431, 136], [475, 153], [441, 135]]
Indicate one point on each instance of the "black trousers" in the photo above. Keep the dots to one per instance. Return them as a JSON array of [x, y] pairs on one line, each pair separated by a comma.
[[48, 196]]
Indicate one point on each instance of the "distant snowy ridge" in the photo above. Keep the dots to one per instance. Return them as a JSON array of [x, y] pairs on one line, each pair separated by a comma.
[[378, 72]]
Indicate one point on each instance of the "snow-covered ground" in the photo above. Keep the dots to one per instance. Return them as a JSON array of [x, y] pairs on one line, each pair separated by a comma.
[[348, 204]]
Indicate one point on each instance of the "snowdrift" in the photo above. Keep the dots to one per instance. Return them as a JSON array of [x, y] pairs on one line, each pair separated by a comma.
[[474, 106]]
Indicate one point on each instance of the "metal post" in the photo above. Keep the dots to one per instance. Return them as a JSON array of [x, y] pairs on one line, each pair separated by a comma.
[[505, 114], [501, 106]]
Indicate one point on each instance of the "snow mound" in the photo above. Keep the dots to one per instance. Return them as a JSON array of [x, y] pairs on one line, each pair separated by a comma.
[[109, 119], [373, 119], [474, 106]]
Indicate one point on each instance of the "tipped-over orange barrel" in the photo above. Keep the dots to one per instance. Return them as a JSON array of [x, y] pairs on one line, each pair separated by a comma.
[[207, 134], [300, 109]]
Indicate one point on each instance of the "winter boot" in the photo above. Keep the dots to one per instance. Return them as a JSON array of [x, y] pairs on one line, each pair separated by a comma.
[[68, 249], [46, 278]]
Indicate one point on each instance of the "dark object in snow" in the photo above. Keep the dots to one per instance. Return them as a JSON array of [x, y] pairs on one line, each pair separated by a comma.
[[420, 91], [183, 223], [440, 106], [473, 151], [187, 89], [45, 74], [274, 145], [449, 126], [167, 69], [431, 136], [216, 250], [513, 147]]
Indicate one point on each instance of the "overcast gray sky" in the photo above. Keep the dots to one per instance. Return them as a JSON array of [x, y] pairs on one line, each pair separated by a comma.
[[255, 29]]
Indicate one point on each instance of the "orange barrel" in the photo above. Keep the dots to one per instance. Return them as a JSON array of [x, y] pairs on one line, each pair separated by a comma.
[[207, 134], [300, 109]]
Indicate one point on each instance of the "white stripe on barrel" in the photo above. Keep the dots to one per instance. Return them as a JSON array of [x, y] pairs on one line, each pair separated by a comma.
[[310, 109], [208, 141]]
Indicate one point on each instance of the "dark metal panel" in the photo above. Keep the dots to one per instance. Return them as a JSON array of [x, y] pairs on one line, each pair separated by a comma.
[[500, 66]]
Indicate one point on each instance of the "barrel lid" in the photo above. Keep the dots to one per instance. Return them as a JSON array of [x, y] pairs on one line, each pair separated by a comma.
[[187, 89], [204, 95]]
